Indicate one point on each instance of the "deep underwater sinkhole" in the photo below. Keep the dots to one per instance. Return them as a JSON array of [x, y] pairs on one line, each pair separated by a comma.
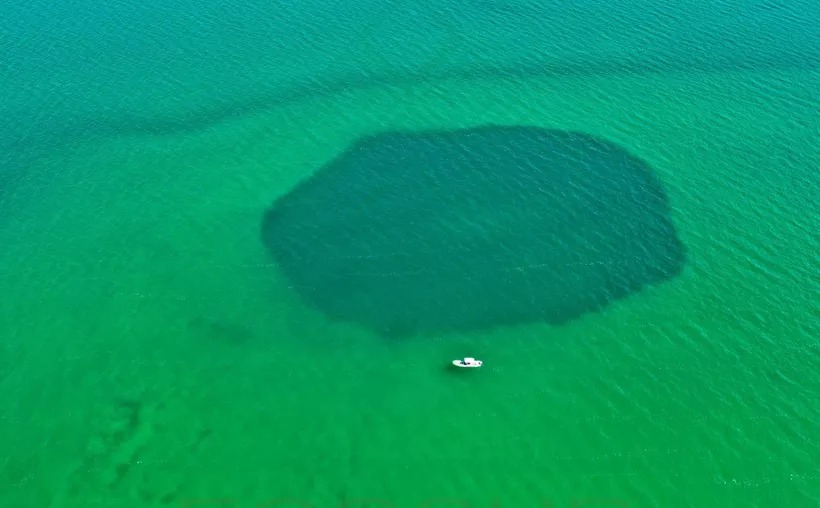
[[447, 231]]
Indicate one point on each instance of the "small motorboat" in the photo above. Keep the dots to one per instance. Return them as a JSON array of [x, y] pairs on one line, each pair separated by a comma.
[[468, 362]]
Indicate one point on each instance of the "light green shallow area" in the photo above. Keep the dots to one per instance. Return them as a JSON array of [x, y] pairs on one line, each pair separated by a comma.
[[153, 354]]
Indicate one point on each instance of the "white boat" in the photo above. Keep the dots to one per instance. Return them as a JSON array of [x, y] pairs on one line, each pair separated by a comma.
[[468, 362]]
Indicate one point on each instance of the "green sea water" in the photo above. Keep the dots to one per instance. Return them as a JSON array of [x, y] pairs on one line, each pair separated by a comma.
[[154, 353]]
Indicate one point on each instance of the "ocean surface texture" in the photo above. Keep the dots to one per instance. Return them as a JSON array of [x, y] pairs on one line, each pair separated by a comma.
[[243, 240]]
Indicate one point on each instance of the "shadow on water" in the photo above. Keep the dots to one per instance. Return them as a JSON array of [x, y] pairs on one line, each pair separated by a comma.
[[462, 230]]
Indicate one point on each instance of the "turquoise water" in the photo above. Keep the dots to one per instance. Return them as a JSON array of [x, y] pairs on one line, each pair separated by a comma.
[[158, 348]]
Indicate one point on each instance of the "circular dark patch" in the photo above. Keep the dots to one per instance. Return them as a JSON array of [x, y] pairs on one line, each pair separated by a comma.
[[454, 231]]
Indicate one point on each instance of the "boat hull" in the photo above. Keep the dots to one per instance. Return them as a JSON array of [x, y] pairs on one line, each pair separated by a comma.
[[458, 363]]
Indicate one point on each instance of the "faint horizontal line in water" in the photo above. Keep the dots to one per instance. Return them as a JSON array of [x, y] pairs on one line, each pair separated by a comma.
[[127, 122], [721, 480]]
